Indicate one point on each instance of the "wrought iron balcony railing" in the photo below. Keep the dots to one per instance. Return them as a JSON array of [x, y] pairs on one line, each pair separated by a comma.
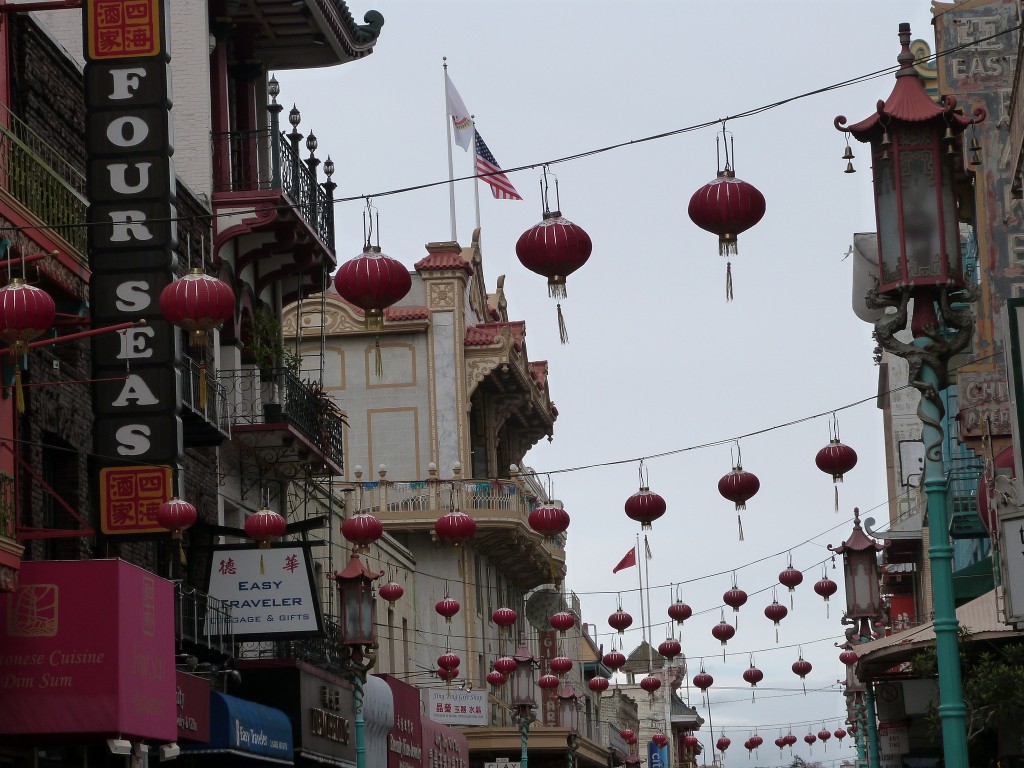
[[279, 396], [215, 408], [202, 620], [39, 177], [250, 161], [325, 651], [7, 526]]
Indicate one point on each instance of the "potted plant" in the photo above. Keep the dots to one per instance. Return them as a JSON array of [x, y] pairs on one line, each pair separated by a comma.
[[265, 347]]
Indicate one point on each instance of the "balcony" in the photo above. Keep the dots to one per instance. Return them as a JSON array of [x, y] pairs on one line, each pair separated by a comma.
[[205, 419], [202, 624], [10, 550], [37, 176], [501, 509], [280, 418]]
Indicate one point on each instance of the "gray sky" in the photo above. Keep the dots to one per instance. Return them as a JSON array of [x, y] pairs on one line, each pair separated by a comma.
[[657, 359]]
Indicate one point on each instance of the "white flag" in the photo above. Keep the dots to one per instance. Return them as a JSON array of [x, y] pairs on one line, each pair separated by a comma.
[[460, 115]]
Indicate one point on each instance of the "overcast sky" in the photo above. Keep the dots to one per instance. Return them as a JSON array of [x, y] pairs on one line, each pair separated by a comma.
[[657, 360]]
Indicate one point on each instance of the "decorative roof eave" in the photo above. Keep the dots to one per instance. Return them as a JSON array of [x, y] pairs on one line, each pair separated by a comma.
[[858, 541], [444, 257], [345, 319]]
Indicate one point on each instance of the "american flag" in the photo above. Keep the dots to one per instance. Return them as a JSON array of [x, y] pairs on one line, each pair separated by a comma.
[[489, 170]]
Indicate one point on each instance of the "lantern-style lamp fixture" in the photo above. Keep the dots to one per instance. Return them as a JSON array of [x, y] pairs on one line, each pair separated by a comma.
[[524, 683], [569, 707], [358, 607], [914, 150], [860, 569]]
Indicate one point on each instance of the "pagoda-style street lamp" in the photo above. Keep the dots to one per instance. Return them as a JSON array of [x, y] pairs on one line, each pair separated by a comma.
[[524, 696], [358, 636], [915, 152], [861, 574], [569, 718]]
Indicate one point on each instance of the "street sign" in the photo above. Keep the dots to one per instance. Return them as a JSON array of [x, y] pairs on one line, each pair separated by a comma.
[[503, 762]]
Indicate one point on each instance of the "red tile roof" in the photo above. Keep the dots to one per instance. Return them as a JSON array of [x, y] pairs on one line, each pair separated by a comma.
[[486, 333], [441, 261], [397, 314]]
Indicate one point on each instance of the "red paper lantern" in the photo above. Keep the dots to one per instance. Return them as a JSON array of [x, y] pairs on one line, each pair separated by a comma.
[[839, 733], [849, 658], [723, 743], [749, 745], [549, 520], [448, 674], [703, 681], [563, 621], [691, 742], [554, 248], [614, 660], [197, 303], [801, 668], [753, 675], [560, 665], [645, 507], [448, 660], [810, 738], [791, 578], [739, 486], [372, 281], [598, 684], [447, 608], [548, 682], [679, 611], [495, 679], [176, 515], [26, 312], [660, 739], [391, 592], [627, 735], [723, 631], [790, 739], [506, 665], [735, 599], [836, 459], [776, 612], [826, 588], [824, 735], [780, 743], [504, 617], [264, 526], [670, 648], [756, 740], [455, 527], [362, 530], [620, 621], [650, 684]]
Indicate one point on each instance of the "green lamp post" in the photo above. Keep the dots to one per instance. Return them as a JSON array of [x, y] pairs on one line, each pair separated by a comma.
[[915, 153]]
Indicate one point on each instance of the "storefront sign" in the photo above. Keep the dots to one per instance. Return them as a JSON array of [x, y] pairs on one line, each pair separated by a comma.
[[87, 647], [193, 700], [270, 591], [245, 728], [984, 403], [132, 240], [547, 641], [457, 707], [443, 746], [405, 741]]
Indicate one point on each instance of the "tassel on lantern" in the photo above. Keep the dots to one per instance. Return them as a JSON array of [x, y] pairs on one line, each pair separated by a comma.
[[563, 334], [739, 522], [181, 555], [19, 393], [378, 361], [261, 564], [202, 385], [836, 489], [728, 281]]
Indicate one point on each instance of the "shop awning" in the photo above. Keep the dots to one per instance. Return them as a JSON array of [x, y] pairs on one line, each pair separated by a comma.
[[246, 729]]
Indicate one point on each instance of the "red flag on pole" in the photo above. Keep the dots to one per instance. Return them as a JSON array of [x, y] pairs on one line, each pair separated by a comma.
[[627, 562]]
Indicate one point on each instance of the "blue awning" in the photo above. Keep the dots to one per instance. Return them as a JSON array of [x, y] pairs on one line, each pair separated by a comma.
[[246, 729]]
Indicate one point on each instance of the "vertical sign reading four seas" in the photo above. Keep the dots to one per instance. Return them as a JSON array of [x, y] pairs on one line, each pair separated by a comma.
[[132, 241]]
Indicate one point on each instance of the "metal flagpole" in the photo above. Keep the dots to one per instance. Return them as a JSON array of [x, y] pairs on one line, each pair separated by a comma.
[[647, 575], [639, 576], [451, 171]]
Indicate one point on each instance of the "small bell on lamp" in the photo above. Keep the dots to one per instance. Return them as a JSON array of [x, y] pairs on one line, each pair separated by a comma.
[[848, 157]]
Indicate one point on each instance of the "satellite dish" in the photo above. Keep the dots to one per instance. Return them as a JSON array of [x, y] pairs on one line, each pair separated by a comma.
[[542, 605]]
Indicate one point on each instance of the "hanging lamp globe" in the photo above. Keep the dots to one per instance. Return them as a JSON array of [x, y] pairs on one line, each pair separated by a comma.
[[265, 526], [790, 739], [627, 735], [197, 303], [455, 527], [645, 507], [176, 515], [691, 742], [780, 743], [447, 674], [361, 530], [801, 668], [372, 281]]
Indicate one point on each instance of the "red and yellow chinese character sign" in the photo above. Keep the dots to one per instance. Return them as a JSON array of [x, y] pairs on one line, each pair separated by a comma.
[[123, 29], [129, 497]]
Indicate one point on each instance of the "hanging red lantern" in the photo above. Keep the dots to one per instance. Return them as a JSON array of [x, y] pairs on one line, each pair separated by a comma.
[[504, 617], [627, 735], [802, 669], [197, 303], [265, 526], [723, 632], [790, 739], [824, 735], [554, 248], [660, 739], [776, 612], [780, 743], [598, 684], [563, 621], [614, 660], [392, 592], [506, 665], [836, 459], [849, 658], [176, 516], [620, 620], [756, 740], [723, 743], [735, 598], [361, 530], [679, 611], [791, 578], [810, 738], [645, 507], [447, 608], [738, 487], [651, 683], [372, 281], [826, 588], [26, 312], [447, 674], [455, 527], [840, 734], [670, 648], [703, 680], [753, 675], [560, 665], [749, 745], [448, 660], [549, 682], [726, 206], [495, 679], [550, 520]]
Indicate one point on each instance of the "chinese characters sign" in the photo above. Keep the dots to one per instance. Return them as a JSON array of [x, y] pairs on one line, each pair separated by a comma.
[[456, 707], [123, 29], [129, 497], [270, 591]]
